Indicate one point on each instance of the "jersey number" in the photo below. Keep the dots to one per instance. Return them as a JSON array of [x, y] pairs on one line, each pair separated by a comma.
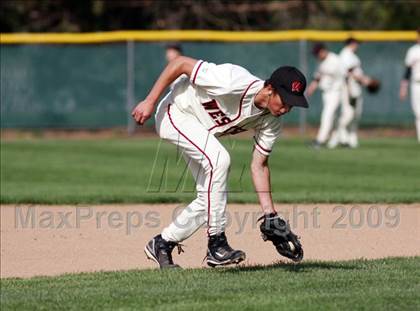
[[215, 113]]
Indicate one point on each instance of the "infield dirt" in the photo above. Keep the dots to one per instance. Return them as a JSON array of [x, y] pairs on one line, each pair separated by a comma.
[[52, 240]]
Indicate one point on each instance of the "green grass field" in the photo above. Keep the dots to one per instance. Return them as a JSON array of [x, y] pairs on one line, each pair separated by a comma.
[[143, 170], [388, 284], [146, 170]]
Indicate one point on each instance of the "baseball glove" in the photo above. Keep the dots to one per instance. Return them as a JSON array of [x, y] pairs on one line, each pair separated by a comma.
[[275, 229], [373, 86]]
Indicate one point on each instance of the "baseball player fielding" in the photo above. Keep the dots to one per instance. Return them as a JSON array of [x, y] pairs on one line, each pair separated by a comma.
[[210, 102]]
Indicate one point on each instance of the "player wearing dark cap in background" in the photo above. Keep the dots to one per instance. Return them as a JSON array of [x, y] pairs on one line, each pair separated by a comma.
[[172, 51], [351, 111], [329, 77]]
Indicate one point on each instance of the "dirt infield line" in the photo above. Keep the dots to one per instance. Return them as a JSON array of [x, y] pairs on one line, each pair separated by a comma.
[[52, 240]]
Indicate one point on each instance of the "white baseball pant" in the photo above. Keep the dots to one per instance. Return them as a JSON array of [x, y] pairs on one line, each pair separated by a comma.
[[348, 124], [208, 162], [330, 102], [415, 104]]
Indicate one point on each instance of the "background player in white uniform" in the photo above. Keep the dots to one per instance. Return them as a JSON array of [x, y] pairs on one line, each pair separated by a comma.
[[218, 100], [412, 63], [352, 109], [329, 77]]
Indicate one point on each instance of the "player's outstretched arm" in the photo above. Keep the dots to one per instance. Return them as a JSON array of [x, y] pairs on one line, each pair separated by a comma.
[[261, 177], [403, 89], [360, 76], [175, 68], [404, 83]]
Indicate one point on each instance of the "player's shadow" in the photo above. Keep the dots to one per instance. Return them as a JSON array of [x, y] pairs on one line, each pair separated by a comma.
[[292, 267]]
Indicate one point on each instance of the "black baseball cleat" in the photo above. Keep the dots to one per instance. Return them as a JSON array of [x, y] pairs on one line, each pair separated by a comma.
[[160, 251], [219, 253]]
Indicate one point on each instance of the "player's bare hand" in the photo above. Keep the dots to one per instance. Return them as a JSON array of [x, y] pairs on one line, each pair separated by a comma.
[[143, 111]]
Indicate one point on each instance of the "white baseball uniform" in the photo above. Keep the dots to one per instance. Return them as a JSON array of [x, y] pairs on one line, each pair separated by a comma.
[[181, 77], [352, 108], [331, 82], [412, 59], [217, 100]]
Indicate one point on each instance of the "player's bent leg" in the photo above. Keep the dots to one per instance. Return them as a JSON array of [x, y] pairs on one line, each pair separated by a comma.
[[187, 222], [322, 133], [218, 192], [346, 117], [209, 163], [195, 214], [219, 252], [330, 105], [354, 125]]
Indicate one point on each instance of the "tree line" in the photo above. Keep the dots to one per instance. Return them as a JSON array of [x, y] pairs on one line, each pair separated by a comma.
[[102, 15]]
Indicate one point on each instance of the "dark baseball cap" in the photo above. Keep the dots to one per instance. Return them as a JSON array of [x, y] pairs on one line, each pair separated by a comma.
[[290, 84], [317, 47], [174, 46], [351, 40]]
